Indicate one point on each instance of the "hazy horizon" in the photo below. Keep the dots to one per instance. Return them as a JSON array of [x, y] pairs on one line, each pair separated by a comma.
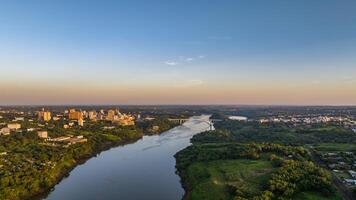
[[231, 105], [178, 52]]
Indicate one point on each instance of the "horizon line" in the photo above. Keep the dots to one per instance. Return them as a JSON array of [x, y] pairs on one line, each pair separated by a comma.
[[244, 105]]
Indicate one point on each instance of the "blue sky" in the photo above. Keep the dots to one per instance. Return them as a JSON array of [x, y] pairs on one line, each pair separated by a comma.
[[178, 46]]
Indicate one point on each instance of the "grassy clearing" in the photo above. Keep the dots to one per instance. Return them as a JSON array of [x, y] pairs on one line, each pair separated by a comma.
[[210, 180], [316, 196], [335, 147]]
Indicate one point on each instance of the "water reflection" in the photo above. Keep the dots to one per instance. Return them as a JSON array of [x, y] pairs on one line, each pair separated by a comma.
[[143, 170]]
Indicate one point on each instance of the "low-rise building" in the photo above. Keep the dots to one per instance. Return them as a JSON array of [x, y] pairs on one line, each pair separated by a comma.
[[108, 127], [155, 128], [59, 139], [264, 121], [350, 181], [5, 131], [19, 119], [14, 126], [66, 141], [42, 134], [78, 139], [352, 173], [81, 122], [56, 118]]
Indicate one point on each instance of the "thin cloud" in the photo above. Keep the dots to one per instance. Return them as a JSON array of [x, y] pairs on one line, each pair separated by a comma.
[[171, 63], [189, 59], [183, 59]]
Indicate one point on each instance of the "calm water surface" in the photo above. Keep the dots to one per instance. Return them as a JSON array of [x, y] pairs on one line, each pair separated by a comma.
[[143, 170]]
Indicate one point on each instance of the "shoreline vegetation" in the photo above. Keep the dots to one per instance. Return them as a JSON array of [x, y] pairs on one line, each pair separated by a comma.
[[80, 161], [238, 161], [250, 171], [50, 165]]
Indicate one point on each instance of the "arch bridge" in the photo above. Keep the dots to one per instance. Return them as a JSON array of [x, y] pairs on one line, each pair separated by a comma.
[[210, 122]]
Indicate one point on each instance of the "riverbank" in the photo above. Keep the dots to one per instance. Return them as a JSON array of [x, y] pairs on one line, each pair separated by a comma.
[[66, 172], [123, 169], [228, 163], [30, 170], [247, 171], [82, 160]]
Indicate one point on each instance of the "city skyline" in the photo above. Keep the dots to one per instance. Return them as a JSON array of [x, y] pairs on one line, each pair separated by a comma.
[[170, 52]]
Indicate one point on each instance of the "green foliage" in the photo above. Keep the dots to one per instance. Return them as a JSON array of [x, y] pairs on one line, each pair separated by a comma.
[[219, 179], [250, 171], [335, 147], [230, 130], [295, 176], [30, 167], [163, 125]]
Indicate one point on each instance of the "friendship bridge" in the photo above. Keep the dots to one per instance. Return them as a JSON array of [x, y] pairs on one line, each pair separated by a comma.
[[210, 122]]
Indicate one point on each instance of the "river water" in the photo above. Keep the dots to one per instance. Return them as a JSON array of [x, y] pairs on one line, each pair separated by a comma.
[[142, 170]]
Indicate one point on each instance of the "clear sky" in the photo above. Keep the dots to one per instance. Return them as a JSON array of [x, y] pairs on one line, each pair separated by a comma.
[[178, 52]]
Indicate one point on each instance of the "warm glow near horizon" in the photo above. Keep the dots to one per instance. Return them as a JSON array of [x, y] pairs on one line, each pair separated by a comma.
[[247, 93], [270, 53]]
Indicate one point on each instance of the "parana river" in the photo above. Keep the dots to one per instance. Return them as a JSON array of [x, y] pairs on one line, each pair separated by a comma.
[[142, 170]]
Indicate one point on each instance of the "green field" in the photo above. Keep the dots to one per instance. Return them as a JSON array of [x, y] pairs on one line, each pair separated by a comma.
[[210, 180], [335, 147], [316, 196], [224, 171]]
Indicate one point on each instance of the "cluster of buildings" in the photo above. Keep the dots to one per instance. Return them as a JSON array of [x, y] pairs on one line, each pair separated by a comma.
[[64, 141], [238, 118], [79, 117], [306, 119], [14, 119], [348, 122], [352, 180], [114, 116], [11, 127], [342, 163], [302, 119]]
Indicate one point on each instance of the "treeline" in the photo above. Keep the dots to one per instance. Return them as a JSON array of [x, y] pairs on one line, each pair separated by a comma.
[[230, 131], [156, 126], [225, 151], [292, 177], [31, 167]]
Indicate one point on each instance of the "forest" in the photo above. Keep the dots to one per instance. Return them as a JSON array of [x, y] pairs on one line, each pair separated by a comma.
[[251, 160], [229, 130], [251, 171], [30, 167]]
